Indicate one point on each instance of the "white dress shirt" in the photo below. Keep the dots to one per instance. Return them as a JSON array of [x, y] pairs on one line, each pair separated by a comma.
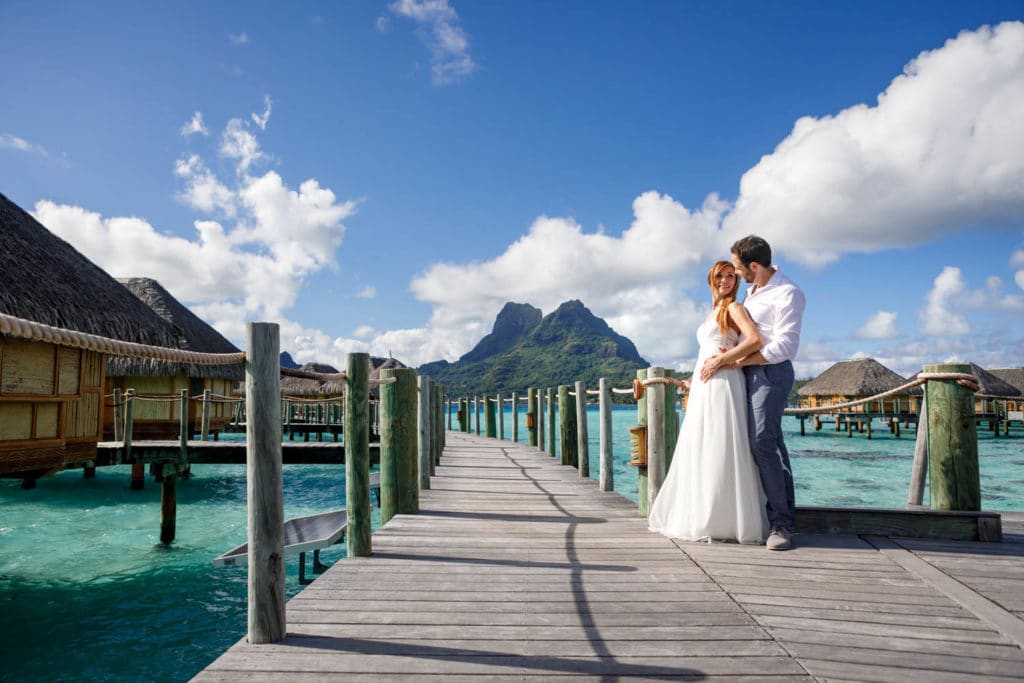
[[777, 308]]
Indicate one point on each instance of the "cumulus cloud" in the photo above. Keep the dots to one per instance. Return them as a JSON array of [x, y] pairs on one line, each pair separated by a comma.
[[440, 30], [14, 142], [1017, 261], [237, 142], [940, 316], [250, 269], [938, 151], [239, 38], [882, 325], [367, 292], [195, 125]]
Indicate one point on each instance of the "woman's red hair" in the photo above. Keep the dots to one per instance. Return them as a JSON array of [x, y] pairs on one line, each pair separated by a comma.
[[722, 300]]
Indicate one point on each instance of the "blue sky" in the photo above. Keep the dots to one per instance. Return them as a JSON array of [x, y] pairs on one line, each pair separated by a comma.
[[383, 176]]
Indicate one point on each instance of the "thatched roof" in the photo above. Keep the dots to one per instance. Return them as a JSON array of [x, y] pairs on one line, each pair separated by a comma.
[[861, 377], [46, 280], [1012, 376], [991, 385], [309, 387], [196, 335]]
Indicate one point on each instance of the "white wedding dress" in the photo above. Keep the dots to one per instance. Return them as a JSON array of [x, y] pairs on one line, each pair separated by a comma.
[[712, 490]]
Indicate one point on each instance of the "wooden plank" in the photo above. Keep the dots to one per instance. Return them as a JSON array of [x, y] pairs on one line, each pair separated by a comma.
[[515, 568]]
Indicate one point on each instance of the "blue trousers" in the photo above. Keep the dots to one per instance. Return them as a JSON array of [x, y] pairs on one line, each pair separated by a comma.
[[768, 388]]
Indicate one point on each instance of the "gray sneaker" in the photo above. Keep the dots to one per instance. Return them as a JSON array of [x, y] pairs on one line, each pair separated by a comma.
[[779, 539]]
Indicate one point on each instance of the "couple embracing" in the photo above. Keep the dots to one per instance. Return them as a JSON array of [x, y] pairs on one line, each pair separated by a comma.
[[730, 477]]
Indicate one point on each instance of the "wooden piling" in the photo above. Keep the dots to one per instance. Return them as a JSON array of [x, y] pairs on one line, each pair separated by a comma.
[[952, 442], [500, 406], [138, 476], [490, 426], [476, 415], [437, 426], [424, 441], [183, 428], [168, 506], [266, 616], [606, 480], [357, 455], [641, 470], [204, 433], [919, 467], [582, 445], [515, 417], [531, 410], [399, 485], [118, 415], [539, 420], [567, 427], [655, 435], [551, 422]]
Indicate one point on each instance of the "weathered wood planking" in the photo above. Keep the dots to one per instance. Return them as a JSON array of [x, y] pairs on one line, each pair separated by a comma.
[[516, 569]]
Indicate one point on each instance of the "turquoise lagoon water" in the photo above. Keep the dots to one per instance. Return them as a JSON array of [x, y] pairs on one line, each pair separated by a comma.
[[88, 593]]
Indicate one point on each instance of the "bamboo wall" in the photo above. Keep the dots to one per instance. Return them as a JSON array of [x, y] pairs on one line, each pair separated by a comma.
[[161, 419], [49, 405]]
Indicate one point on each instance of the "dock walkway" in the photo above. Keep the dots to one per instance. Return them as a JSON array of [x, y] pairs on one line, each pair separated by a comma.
[[515, 569]]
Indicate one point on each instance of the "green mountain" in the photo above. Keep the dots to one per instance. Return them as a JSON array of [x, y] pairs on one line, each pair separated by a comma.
[[527, 350]]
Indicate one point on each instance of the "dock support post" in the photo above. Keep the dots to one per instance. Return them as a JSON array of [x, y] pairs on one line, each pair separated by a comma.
[[138, 481], [531, 410], [539, 419], [920, 465], [204, 434], [500, 407], [118, 416], [515, 417], [606, 479], [656, 441], [641, 470], [551, 421], [476, 415], [952, 442], [357, 455], [425, 416], [168, 505], [567, 427], [490, 428], [266, 618], [440, 435], [582, 442], [399, 490]]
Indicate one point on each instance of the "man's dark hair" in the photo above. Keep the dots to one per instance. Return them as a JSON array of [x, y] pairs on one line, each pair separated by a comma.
[[753, 249]]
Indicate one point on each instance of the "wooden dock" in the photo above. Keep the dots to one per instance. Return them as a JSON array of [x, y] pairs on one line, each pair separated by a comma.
[[515, 569]]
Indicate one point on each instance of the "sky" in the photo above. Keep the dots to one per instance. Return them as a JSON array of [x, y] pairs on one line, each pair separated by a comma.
[[384, 176]]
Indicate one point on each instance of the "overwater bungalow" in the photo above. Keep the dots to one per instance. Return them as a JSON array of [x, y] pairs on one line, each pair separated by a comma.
[[51, 394], [160, 382], [851, 380], [1015, 378], [992, 389]]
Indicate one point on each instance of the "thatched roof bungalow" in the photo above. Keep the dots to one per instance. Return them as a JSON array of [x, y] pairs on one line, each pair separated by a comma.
[[850, 380], [992, 388], [157, 378], [50, 395], [1015, 378]]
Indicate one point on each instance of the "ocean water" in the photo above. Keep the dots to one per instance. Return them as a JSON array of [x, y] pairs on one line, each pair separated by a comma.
[[88, 593]]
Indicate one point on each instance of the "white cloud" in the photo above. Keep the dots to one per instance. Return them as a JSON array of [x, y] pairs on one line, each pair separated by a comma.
[[364, 332], [439, 28], [239, 38], [634, 280], [937, 152], [261, 119], [367, 292], [1017, 261], [238, 143], [938, 317], [14, 142], [195, 125], [250, 270], [882, 325], [383, 24]]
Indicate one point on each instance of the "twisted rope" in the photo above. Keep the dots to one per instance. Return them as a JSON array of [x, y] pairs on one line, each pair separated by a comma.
[[963, 379], [27, 329]]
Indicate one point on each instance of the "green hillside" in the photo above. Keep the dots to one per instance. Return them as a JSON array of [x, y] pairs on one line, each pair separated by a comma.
[[525, 350]]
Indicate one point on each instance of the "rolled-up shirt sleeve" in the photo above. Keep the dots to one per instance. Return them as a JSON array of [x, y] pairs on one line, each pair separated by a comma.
[[784, 337]]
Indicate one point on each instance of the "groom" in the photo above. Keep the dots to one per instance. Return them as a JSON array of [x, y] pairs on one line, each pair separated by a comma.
[[776, 305]]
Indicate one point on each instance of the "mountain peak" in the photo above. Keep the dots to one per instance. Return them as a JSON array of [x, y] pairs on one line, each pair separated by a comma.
[[514, 322]]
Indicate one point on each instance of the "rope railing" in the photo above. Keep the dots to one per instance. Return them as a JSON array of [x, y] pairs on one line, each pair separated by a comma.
[[967, 380], [33, 331]]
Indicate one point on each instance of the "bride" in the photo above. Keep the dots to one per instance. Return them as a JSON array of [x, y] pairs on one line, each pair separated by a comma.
[[712, 489]]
